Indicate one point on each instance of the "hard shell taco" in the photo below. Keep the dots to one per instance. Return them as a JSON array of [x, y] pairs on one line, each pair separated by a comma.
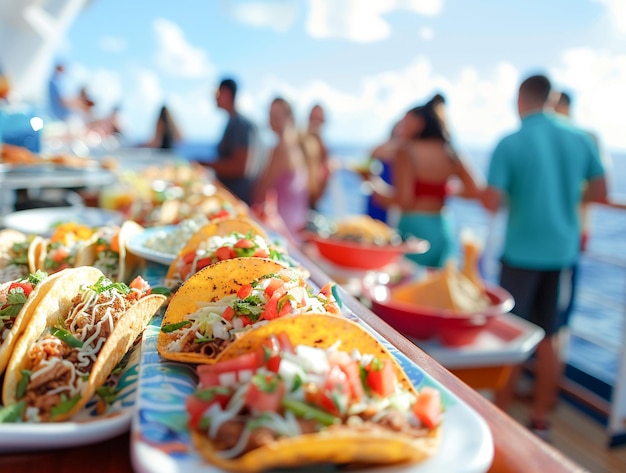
[[237, 237], [64, 247], [17, 299], [310, 390], [108, 253], [17, 255], [77, 334], [218, 303]]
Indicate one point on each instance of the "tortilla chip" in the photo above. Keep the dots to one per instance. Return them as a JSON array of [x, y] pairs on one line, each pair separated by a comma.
[[446, 289], [339, 445]]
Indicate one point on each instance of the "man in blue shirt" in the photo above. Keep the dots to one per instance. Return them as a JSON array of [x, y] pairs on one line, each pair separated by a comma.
[[541, 174], [236, 166]]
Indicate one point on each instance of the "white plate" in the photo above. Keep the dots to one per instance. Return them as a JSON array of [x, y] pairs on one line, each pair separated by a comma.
[[136, 244], [161, 444], [43, 221], [85, 427]]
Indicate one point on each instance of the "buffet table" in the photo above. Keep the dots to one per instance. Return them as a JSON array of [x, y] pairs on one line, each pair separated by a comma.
[[516, 450]]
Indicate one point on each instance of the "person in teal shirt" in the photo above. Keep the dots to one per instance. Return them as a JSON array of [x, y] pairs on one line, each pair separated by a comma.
[[541, 174]]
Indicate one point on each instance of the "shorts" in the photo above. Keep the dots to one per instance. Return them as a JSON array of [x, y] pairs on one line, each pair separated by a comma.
[[536, 295], [437, 229]]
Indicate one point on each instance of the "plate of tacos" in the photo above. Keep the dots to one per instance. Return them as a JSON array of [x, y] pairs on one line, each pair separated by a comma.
[[68, 356], [312, 391]]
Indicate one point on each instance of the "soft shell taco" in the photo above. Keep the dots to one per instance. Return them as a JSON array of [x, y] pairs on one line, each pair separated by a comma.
[[108, 253], [17, 255], [77, 334], [17, 299], [218, 303], [64, 247], [309, 390], [237, 237]]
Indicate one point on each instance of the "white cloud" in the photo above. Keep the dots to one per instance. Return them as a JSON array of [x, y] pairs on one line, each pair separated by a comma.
[[361, 21], [112, 44], [278, 15], [596, 80], [176, 56], [616, 10]]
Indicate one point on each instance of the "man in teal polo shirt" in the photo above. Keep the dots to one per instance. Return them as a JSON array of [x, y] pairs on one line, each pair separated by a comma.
[[541, 174]]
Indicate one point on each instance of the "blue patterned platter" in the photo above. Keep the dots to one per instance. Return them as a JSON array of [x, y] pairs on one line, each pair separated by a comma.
[[88, 426], [161, 442]]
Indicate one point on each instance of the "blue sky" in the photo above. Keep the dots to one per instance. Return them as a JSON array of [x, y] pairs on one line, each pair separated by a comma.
[[366, 61]]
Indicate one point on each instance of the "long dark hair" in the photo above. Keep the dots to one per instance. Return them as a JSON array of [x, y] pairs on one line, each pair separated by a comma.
[[434, 122]]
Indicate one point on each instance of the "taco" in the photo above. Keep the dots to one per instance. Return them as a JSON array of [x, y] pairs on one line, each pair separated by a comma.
[[108, 253], [311, 390], [222, 301], [77, 334], [64, 247], [238, 237], [17, 255], [17, 298]]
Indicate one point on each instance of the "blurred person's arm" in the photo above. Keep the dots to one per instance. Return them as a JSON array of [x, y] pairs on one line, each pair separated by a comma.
[[491, 198], [472, 182], [232, 166]]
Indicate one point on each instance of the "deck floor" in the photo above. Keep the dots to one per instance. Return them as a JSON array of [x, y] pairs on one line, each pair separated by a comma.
[[579, 436]]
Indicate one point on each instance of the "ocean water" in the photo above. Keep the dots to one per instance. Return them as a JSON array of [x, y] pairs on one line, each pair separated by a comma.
[[597, 324]]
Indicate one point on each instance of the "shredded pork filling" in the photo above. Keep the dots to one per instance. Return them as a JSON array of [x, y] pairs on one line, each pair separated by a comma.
[[59, 371]]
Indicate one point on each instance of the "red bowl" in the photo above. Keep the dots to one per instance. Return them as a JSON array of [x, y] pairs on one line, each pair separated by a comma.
[[355, 255], [454, 329]]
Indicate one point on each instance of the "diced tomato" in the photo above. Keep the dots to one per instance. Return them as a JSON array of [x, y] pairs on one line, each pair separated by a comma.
[[60, 254], [224, 253], [285, 342], [244, 243], [352, 372], [275, 345], [336, 392], [25, 286], [244, 291], [271, 306], [196, 407], [327, 290], [220, 214], [189, 257], [261, 253], [228, 313], [245, 319], [140, 284], [427, 408], [274, 283], [207, 374], [381, 379], [261, 399]]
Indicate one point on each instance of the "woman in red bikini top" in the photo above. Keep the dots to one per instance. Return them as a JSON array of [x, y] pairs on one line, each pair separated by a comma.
[[427, 169]]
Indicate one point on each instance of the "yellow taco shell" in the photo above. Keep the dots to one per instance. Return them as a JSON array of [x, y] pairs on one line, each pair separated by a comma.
[[56, 302], [23, 318], [221, 227], [210, 284], [342, 444]]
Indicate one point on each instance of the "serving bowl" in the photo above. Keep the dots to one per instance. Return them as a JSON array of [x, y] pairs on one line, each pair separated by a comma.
[[452, 328], [364, 256]]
